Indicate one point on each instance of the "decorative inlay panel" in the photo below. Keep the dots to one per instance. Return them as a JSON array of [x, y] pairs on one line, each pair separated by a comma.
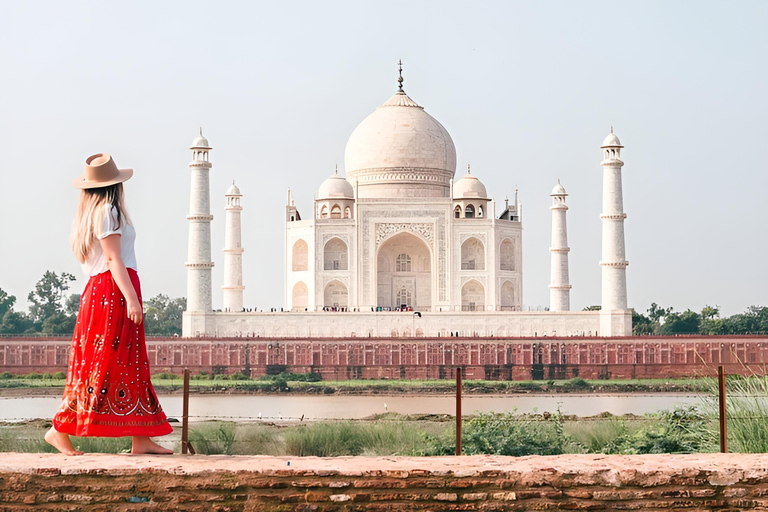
[[384, 230]]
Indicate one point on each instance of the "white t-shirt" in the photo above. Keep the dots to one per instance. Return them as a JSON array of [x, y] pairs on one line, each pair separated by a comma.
[[97, 261]]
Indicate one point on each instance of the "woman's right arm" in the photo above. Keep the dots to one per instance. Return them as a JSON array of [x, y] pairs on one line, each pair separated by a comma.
[[110, 245]]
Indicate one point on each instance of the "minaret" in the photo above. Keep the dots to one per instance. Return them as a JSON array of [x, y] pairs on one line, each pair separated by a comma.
[[199, 262], [559, 287], [233, 252], [613, 259]]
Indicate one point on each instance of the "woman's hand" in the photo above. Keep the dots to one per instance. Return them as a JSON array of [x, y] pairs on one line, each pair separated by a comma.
[[135, 312]]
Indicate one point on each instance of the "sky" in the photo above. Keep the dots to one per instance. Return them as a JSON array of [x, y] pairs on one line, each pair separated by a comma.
[[527, 90]]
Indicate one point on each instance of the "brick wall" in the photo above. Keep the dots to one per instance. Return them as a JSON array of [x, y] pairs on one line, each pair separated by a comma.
[[395, 358], [47, 482]]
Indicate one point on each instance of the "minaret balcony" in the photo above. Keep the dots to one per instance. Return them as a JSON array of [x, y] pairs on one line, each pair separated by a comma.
[[615, 216], [199, 266], [615, 264], [612, 162], [200, 216]]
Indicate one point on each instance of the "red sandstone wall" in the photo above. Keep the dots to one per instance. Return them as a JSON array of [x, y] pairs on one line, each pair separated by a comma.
[[396, 358]]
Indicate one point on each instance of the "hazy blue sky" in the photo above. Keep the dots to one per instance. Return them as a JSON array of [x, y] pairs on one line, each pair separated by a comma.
[[527, 90]]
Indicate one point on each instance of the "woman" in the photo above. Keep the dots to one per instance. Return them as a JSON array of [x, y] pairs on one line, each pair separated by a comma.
[[108, 391]]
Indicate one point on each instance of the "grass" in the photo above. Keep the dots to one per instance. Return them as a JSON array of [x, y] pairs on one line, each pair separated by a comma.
[[300, 384], [747, 411]]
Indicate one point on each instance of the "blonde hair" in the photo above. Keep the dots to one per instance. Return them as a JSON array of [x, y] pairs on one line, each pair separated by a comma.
[[89, 219]]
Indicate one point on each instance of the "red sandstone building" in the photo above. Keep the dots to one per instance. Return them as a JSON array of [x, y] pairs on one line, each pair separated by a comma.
[[421, 358]]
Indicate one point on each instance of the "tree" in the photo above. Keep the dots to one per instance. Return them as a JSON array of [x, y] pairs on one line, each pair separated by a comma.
[[6, 302], [658, 314], [72, 306], [642, 325], [59, 323], [48, 296], [687, 322], [16, 323], [162, 315]]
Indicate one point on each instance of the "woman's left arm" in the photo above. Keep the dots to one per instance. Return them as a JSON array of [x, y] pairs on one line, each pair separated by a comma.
[[111, 247]]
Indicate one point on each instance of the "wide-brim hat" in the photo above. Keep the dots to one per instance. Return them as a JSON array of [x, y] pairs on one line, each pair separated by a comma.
[[101, 171]]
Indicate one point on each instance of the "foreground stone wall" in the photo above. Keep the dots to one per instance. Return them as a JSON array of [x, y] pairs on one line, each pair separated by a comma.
[[568, 482]]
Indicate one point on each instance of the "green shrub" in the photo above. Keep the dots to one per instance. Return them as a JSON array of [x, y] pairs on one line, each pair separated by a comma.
[[59, 376], [6, 375], [238, 376], [682, 430], [505, 434]]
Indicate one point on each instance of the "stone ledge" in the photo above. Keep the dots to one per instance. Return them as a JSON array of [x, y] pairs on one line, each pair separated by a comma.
[[567, 482]]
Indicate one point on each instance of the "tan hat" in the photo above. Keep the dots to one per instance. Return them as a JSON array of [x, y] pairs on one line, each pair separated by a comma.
[[101, 171]]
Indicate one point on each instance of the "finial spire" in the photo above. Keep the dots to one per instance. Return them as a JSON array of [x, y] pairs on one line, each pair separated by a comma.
[[400, 80], [201, 131], [337, 169], [611, 128], [468, 169]]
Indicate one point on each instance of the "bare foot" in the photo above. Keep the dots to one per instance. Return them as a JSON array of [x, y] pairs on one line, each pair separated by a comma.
[[61, 442], [144, 445]]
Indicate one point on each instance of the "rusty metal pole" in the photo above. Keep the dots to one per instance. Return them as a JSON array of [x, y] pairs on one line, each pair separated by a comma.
[[185, 415], [721, 403], [458, 411]]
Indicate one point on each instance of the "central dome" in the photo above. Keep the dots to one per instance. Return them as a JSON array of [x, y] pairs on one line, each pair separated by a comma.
[[400, 151]]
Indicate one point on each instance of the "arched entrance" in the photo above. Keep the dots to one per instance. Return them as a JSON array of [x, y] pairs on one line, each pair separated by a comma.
[[404, 273]]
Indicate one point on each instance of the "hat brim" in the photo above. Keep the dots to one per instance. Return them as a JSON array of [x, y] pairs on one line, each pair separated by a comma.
[[122, 175]]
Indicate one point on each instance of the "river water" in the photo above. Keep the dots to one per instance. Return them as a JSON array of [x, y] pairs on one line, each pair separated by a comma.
[[292, 407]]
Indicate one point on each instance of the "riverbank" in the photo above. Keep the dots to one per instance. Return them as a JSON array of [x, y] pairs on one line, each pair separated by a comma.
[[277, 385]]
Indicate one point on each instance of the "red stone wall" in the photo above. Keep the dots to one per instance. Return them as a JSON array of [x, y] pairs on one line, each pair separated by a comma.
[[396, 358], [703, 482]]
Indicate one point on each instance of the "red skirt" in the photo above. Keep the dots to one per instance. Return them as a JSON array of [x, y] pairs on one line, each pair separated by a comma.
[[108, 391]]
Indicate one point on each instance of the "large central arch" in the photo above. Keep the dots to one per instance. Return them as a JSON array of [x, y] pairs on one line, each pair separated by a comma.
[[404, 273]]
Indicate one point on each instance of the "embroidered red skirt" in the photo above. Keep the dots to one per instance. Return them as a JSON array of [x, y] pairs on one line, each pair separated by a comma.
[[108, 391]]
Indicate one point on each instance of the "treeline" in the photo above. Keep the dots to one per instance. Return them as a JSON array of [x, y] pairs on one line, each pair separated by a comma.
[[666, 321], [53, 311]]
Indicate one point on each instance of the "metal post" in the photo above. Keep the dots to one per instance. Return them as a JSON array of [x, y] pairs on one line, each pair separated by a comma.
[[185, 415], [721, 399], [458, 411]]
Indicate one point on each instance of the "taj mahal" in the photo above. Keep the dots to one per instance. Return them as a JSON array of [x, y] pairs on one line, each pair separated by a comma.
[[398, 247]]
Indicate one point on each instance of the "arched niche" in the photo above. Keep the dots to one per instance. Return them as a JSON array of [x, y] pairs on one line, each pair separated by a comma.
[[473, 296], [299, 297], [335, 255], [507, 255], [335, 295], [472, 254], [300, 256], [507, 298]]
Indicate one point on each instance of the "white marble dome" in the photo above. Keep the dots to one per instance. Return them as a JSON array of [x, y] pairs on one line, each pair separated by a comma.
[[335, 187], [233, 190], [200, 142], [469, 187], [611, 141], [400, 151]]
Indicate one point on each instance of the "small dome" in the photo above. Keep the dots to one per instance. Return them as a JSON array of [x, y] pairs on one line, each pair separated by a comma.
[[559, 190], [469, 187], [611, 141], [336, 187], [200, 142], [233, 190]]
